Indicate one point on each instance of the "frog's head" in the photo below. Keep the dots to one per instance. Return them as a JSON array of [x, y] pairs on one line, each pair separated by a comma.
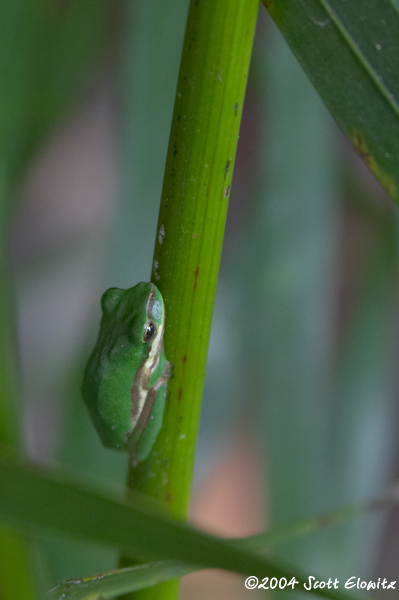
[[138, 311]]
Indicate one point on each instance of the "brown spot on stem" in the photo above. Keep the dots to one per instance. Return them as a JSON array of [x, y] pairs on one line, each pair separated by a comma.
[[179, 394], [168, 497], [184, 359], [226, 169], [226, 191], [236, 109], [196, 277]]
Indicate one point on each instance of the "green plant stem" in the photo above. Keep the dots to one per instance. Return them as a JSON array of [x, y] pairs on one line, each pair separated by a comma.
[[210, 95]]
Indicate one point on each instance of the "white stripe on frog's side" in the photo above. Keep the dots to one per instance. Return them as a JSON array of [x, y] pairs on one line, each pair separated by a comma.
[[140, 386]]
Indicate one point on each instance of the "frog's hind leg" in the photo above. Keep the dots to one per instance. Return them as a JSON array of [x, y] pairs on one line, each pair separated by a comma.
[[149, 424]]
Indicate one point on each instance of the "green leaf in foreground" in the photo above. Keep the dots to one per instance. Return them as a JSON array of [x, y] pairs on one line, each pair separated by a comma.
[[108, 585], [350, 51], [32, 497]]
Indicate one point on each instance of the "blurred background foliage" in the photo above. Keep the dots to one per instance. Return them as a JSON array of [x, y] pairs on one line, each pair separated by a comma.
[[301, 378]]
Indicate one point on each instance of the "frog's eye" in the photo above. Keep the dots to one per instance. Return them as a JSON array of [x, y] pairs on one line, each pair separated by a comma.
[[150, 331]]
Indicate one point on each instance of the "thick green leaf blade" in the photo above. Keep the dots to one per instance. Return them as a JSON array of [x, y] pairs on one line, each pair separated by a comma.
[[31, 497], [131, 579], [350, 51]]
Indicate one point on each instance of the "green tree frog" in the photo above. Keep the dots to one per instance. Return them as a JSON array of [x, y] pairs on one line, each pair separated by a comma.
[[126, 377]]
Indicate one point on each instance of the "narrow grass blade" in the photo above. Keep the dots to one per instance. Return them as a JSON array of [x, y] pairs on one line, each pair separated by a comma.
[[109, 585]]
